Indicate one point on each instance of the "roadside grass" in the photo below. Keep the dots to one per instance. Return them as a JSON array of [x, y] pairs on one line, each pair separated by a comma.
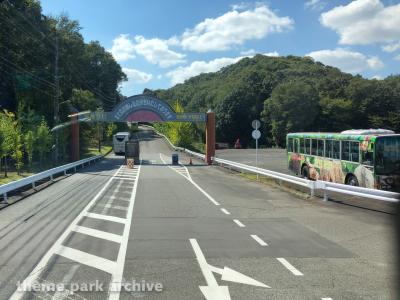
[[92, 151], [275, 183]]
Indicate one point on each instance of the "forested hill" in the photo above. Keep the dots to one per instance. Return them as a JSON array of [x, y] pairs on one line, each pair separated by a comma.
[[289, 94]]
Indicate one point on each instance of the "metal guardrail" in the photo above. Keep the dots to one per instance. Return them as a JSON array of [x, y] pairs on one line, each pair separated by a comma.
[[31, 180], [323, 186]]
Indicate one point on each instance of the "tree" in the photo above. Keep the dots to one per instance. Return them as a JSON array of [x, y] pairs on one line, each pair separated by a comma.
[[7, 129], [293, 106], [110, 130], [43, 140], [29, 143], [17, 154]]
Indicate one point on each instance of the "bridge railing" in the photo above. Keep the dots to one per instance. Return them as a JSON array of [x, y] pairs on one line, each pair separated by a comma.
[[48, 174]]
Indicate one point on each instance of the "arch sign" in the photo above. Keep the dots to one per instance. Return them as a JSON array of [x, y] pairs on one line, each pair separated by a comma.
[[143, 108]]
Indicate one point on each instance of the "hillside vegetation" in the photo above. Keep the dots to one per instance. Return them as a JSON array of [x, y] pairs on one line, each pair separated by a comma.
[[288, 94]]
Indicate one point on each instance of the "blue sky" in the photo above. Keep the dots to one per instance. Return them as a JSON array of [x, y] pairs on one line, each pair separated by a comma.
[[161, 43]]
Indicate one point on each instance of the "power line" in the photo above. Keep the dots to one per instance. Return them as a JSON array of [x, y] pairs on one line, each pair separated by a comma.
[[16, 67]]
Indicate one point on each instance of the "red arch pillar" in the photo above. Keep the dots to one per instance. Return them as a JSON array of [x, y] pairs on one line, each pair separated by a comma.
[[210, 137]]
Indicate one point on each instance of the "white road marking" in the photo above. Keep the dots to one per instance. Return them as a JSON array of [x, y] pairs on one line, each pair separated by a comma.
[[105, 217], [290, 267], [112, 197], [87, 259], [188, 177], [228, 274], [35, 273], [326, 299], [60, 295], [225, 211], [98, 234], [119, 207], [240, 224], [259, 240], [124, 178], [212, 291], [118, 273], [115, 268]]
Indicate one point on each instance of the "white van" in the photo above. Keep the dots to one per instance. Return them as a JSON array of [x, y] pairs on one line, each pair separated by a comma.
[[119, 140]]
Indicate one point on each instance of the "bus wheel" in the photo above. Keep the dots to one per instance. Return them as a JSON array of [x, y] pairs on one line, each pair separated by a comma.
[[352, 180], [305, 173]]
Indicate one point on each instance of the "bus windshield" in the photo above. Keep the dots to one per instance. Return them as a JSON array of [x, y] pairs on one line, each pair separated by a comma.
[[387, 156]]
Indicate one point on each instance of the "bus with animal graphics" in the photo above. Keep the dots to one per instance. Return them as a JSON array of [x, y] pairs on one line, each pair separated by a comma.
[[366, 158]]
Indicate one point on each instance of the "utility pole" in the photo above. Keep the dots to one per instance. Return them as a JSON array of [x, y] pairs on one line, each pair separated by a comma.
[[56, 99]]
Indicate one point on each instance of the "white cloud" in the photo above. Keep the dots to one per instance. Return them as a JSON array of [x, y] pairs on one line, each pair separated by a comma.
[[234, 28], [364, 22], [397, 57], [180, 74], [346, 60], [377, 77], [315, 4], [391, 47], [248, 52], [122, 48], [157, 51], [135, 77], [272, 54]]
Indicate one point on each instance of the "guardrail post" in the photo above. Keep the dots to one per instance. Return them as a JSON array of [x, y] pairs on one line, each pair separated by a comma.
[[65, 172], [325, 195], [75, 169], [33, 185], [5, 198], [51, 178]]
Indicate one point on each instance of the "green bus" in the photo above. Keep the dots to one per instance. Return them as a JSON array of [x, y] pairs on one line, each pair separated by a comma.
[[366, 158]]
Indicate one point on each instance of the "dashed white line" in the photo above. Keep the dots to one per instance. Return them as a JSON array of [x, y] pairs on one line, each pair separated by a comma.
[[225, 211], [192, 182], [259, 240], [240, 224], [289, 266], [326, 299]]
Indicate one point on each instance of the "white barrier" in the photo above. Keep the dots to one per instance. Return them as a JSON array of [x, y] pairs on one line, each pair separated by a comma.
[[31, 180]]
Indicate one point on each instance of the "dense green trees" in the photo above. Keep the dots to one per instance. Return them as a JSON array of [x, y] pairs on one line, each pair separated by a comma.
[[288, 94], [293, 106], [31, 46]]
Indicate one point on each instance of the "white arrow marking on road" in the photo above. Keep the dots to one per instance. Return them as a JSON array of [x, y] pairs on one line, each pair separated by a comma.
[[229, 274], [213, 291]]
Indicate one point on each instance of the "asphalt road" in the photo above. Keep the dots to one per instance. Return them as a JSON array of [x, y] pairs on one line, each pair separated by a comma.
[[190, 231], [274, 159]]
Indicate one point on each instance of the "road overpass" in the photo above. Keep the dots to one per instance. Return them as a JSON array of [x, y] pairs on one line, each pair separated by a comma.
[[198, 231]]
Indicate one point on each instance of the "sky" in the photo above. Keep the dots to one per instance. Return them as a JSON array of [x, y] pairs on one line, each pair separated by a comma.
[[161, 43]]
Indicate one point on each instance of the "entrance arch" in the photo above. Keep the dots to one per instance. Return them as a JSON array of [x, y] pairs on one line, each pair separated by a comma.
[[144, 108]]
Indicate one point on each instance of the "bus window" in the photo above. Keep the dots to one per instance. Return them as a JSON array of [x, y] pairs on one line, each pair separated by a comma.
[[296, 145], [336, 149], [367, 158], [301, 150], [314, 146], [355, 151], [345, 150], [307, 146], [328, 148], [290, 145], [320, 149]]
